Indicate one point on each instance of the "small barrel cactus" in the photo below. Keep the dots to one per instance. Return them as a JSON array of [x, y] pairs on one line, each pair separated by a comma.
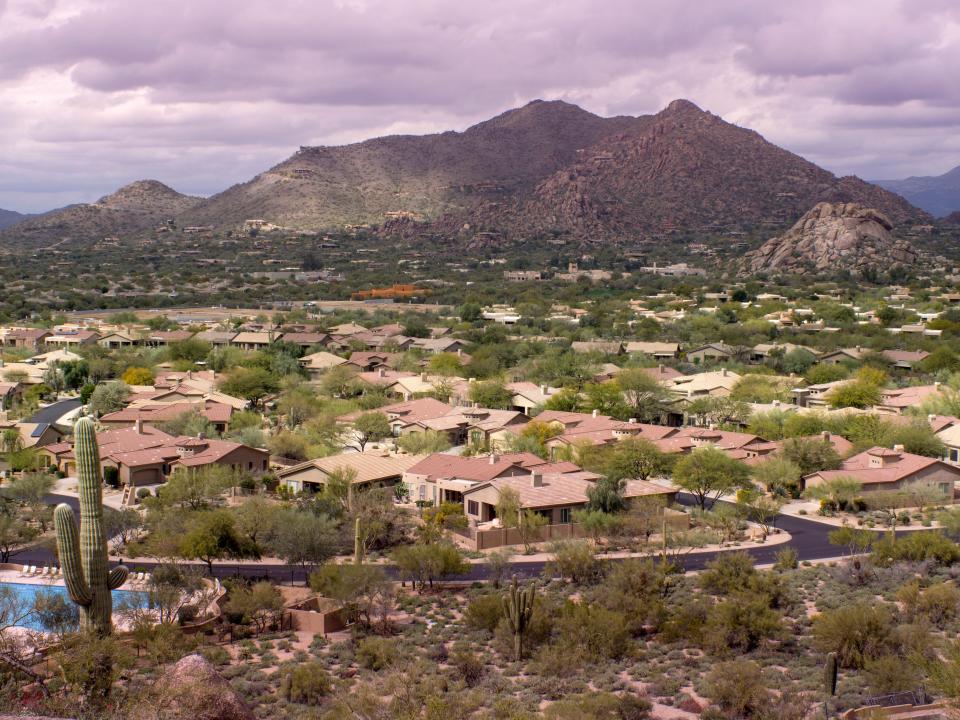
[[83, 551]]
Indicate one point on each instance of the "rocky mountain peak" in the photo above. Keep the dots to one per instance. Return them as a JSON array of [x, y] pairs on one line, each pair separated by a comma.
[[834, 236]]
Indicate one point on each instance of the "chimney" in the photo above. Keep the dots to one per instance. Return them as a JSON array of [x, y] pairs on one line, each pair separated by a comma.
[[138, 425], [825, 435], [898, 448], [776, 403], [858, 348], [632, 421], [660, 368], [931, 417], [189, 374], [536, 480], [711, 426], [472, 380], [594, 413], [723, 372], [382, 372], [423, 377], [543, 389], [459, 352], [494, 458], [936, 386]]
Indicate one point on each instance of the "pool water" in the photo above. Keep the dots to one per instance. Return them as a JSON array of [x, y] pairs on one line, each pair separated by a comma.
[[27, 594]]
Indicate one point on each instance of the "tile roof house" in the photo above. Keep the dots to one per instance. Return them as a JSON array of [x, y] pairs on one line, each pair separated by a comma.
[[73, 338], [218, 414], [718, 383], [899, 400], [145, 455], [441, 477], [116, 340], [371, 468], [10, 393], [598, 346], [656, 350], [316, 364], [305, 340], [555, 495], [709, 352], [162, 338], [369, 361], [843, 355], [28, 338], [528, 396], [884, 470], [217, 338], [905, 359], [663, 373], [34, 435], [253, 340]]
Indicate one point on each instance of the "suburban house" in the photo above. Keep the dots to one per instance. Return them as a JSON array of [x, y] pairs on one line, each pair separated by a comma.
[[217, 414], [904, 359], [145, 455], [407, 416], [656, 350], [718, 383], [32, 435], [305, 340], [711, 352], [663, 374], [439, 345], [253, 340], [369, 469], [217, 338], [843, 355], [554, 495], [951, 438], [898, 400], [368, 361], [597, 346], [316, 364], [475, 426], [162, 338], [26, 338], [528, 396], [410, 385], [116, 340], [882, 469], [72, 338], [440, 477]]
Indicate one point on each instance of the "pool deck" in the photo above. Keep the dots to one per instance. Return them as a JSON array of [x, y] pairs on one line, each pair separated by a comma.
[[13, 576]]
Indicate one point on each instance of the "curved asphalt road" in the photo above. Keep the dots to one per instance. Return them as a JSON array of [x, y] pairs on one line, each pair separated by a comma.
[[808, 538], [51, 413]]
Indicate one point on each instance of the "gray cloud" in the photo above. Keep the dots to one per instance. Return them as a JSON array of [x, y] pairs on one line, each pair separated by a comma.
[[204, 93]]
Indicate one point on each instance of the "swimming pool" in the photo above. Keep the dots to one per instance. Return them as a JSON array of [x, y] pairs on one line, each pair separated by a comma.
[[27, 594]]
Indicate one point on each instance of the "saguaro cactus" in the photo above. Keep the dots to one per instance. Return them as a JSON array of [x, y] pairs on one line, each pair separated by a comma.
[[357, 543], [518, 608], [83, 552], [830, 674]]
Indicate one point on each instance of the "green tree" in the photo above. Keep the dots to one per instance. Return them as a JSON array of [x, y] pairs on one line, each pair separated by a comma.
[[212, 535], [491, 394], [425, 564], [606, 495], [644, 395], [424, 443], [838, 492], [810, 454], [109, 397], [252, 384], [709, 473], [371, 427]]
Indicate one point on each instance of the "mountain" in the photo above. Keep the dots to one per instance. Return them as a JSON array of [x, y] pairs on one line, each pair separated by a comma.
[[939, 195], [687, 169], [834, 236], [550, 167], [420, 176], [136, 207], [10, 217], [545, 168]]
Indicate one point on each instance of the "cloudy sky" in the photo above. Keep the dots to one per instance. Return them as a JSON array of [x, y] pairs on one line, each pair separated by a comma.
[[204, 93]]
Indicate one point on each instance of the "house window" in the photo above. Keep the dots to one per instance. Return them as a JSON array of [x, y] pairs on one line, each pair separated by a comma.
[[250, 465], [473, 507], [566, 515], [954, 455]]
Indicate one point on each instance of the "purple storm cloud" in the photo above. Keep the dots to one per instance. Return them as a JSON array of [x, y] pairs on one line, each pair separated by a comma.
[[204, 93]]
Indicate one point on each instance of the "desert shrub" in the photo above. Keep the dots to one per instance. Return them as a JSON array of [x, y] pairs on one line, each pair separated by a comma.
[[915, 547], [740, 624], [633, 587], [787, 559], [376, 653], [594, 632], [729, 573], [855, 632], [737, 689], [307, 683], [687, 621], [600, 706], [891, 673], [468, 666], [575, 560], [484, 612], [538, 631]]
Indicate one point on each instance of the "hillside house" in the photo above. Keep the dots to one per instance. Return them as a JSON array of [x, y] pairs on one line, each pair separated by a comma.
[[369, 469]]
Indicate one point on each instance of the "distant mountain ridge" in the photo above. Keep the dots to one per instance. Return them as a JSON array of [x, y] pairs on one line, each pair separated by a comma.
[[548, 167], [11, 217], [939, 195], [133, 208]]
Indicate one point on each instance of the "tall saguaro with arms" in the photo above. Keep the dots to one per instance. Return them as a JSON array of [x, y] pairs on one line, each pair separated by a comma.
[[83, 551]]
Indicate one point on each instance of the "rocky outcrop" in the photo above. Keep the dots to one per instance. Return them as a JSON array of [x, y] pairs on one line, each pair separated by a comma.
[[834, 236], [192, 690]]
